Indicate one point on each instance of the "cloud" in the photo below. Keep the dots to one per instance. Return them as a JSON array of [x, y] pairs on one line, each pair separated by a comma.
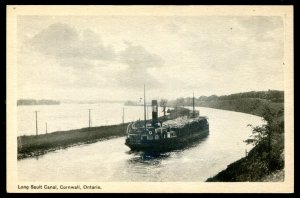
[[85, 54], [135, 79], [139, 61], [259, 27], [68, 46], [237, 44], [137, 57], [172, 28]]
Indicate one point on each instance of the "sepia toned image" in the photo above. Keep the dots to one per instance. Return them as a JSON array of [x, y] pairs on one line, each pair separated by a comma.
[[150, 99]]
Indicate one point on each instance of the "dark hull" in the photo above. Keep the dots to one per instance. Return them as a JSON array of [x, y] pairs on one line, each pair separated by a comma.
[[169, 143]]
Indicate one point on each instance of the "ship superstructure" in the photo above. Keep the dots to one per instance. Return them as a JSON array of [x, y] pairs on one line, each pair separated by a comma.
[[157, 134]]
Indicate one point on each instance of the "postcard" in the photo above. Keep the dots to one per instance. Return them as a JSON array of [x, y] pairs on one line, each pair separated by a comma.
[[169, 99]]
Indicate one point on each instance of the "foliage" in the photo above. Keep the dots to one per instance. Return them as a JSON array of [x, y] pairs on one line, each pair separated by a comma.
[[267, 96], [163, 103], [272, 126], [180, 102], [267, 156], [259, 133]]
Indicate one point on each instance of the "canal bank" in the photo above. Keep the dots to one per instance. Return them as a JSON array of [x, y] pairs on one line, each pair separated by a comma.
[[30, 146], [36, 145], [265, 162]]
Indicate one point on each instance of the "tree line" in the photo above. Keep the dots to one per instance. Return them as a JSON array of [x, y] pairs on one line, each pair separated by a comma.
[[270, 95]]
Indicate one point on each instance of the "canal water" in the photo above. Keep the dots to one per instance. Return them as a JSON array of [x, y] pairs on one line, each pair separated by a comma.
[[68, 116], [111, 160]]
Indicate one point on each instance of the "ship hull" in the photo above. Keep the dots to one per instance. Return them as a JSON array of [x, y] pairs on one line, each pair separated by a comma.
[[169, 143]]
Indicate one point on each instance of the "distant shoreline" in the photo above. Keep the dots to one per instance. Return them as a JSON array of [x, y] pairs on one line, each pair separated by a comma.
[[27, 102], [36, 102]]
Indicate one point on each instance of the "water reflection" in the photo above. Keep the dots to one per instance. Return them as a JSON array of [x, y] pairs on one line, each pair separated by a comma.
[[142, 156]]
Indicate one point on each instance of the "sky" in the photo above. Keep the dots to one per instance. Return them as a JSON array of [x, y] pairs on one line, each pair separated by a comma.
[[112, 57]]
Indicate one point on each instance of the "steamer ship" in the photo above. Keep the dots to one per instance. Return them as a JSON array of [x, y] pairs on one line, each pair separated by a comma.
[[173, 131]]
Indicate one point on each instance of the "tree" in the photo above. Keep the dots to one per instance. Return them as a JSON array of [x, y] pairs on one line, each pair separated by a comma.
[[263, 133], [163, 103], [203, 98], [266, 134], [212, 98], [180, 101]]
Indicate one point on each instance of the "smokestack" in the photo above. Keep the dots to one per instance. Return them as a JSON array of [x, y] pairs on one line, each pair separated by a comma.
[[154, 112]]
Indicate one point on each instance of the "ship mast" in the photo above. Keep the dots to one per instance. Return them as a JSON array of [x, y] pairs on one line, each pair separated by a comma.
[[145, 107], [193, 106]]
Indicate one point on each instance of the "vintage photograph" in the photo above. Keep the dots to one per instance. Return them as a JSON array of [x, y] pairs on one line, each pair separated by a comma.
[[181, 98]]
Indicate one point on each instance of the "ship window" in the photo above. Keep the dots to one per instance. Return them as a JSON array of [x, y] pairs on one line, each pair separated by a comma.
[[168, 135], [144, 137], [164, 135], [150, 137]]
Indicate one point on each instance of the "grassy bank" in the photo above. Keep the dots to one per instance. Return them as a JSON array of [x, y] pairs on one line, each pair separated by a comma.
[[254, 106], [265, 162], [29, 146], [255, 167]]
